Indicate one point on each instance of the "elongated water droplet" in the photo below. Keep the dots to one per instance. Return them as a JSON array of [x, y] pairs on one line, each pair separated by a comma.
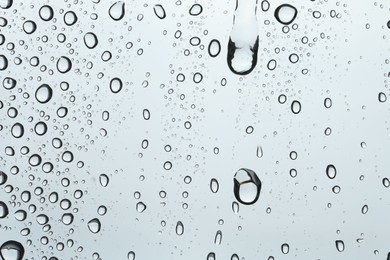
[[340, 245], [117, 11], [90, 40], [235, 207], [17, 130], [259, 151], [115, 85], [218, 237], [285, 248], [104, 180], [247, 186], [243, 41], [3, 210], [214, 48], [364, 209], [159, 11], [331, 171], [214, 185], [179, 228], [296, 107]]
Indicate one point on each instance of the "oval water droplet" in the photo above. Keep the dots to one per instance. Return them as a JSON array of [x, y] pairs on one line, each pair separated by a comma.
[[285, 14], [43, 94], [159, 11], [331, 171], [115, 85], [211, 256], [46, 13], [214, 48], [3, 210], [29, 27], [296, 107], [70, 18], [218, 237], [340, 245], [104, 180], [94, 225], [141, 207], [179, 228], [214, 185], [364, 209], [243, 41], [247, 186], [64, 64], [90, 40], [196, 9], [131, 255], [117, 10], [259, 151], [9, 83], [285, 248], [12, 250], [17, 130]]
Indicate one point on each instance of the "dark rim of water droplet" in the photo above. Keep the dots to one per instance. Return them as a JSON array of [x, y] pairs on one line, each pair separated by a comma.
[[277, 10]]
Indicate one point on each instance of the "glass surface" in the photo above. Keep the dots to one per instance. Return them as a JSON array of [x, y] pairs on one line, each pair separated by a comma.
[[207, 130]]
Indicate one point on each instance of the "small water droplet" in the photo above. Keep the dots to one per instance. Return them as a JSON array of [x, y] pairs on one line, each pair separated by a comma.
[[94, 225]]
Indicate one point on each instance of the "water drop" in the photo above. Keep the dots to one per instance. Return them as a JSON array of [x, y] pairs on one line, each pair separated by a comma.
[[159, 11], [90, 40], [46, 13], [94, 225], [285, 248], [214, 185], [214, 48], [12, 250], [140, 207], [243, 41], [115, 85], [3, 210], [285, 14], [331, 171], [43, 94], [211, 256], [104, 180], [64, 64], [70, 18], [179, 228], [17, 130], [247, 186], [340, 245], [218, 237], [117, 11], [296, 107], [196, 9]]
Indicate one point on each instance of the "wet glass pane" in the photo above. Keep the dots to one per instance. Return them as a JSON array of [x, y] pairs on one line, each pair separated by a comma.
[[236, 129]]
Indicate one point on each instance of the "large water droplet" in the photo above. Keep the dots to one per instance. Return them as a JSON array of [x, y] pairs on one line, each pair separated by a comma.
[[90, 40], [331, 171], [46, 13], [340, 245], [211, 256], [12, 250], [159, 11], [243, 41], [285, 14], [115, 85], [117, 10], [141, 207], [44, 93], [214, 185], [94, 225], [247, 186], [17, 130], [285, 248], [218, 237], [214, 48], [196, 9], [3, 210], [64, 64], [179, 228]]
